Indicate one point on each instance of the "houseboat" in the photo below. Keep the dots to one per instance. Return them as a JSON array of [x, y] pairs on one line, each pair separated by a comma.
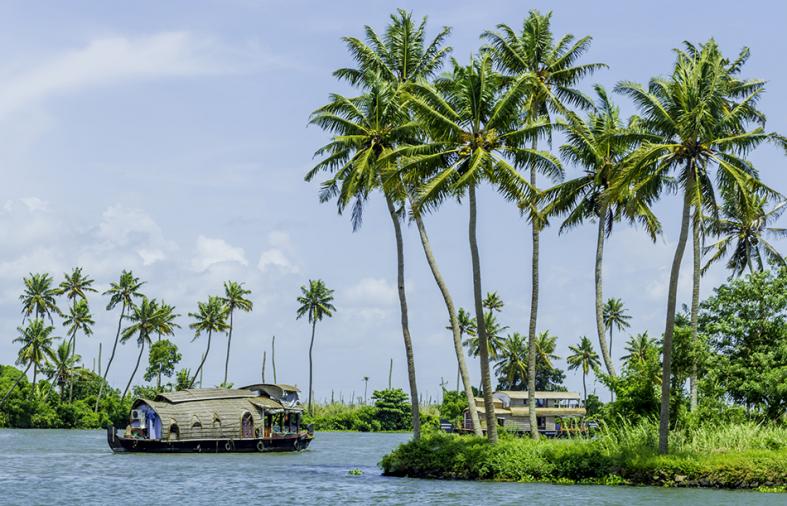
[[555, 412], [254, 418]]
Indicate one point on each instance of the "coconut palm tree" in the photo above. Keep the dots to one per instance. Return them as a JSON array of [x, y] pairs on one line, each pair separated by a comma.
[[124, 293], [77, 320], [469, 121], [639, 347], [210, 317], [493, 302], [494, 332], [551, 72], [743, 229], [599, 145], [38, 299], [76, 285], [36, 340], [366, 128], [165, 326], [235, 299], [511, 366], [615, 315], [144, 322], [400, 56], [583, 357], [702, 117], [316, 303], [64, 361]]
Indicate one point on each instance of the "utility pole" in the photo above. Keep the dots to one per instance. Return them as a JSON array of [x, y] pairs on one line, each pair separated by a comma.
[[264, 357], [99, 359], [273, 358]]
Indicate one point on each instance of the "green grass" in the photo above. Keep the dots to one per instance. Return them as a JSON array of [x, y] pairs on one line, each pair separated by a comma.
[[739, 456]]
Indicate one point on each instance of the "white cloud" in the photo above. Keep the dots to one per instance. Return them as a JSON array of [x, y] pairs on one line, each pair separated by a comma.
[[216, 251], [372, 292], [278, 256], [111, 59]]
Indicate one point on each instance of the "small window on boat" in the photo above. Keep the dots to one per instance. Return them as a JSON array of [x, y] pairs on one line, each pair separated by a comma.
[[247, 425], [216, 421], [195, 423], [174, 432]]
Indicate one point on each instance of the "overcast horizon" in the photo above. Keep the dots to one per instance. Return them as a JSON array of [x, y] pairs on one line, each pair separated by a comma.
[[172, 140]]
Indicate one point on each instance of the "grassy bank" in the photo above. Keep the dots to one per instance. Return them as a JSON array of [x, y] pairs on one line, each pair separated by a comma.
[[735, 456]]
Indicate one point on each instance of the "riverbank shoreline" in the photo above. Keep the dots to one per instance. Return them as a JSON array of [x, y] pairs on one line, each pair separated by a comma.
[[585, 462]]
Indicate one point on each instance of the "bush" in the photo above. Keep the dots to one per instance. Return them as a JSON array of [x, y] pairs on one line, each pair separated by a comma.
[[735, 456]]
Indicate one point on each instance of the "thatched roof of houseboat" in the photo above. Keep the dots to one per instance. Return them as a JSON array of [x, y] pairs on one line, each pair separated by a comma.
[[204, 394], [522, 394]]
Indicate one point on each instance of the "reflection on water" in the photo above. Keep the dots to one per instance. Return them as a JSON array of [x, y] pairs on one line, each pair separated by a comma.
[[76, 467]]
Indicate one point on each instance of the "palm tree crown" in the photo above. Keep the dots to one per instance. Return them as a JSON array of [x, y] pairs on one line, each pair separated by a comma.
[[316, 301], [76, 285], [38, 299], [125, 291], [743, 229]]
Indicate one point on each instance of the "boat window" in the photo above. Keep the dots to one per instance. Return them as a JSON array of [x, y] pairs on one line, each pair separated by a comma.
[[195, 423], [216, 421], [174, 432]]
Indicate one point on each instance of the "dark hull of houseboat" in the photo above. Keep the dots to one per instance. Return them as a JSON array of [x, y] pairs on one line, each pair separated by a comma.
[[289, 443]]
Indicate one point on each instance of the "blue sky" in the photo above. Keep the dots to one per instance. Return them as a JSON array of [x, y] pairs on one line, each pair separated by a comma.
[[172, 139]]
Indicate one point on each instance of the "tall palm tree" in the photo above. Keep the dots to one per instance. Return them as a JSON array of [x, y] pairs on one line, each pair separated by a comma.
[[365, 385], [77, 320], [165, 326], [493, 302], [124, 292], [511, 363], [551, 71], [545, 350], [400, 56], [64, 362], [38, 299], [494, 332], [144, 321], [701, 116], [470, 121], [316, 303], [36, 340], [584, 357], [210, 317], [599, 145], [743, 229], [235, 298], [76, 285], [615, 315]]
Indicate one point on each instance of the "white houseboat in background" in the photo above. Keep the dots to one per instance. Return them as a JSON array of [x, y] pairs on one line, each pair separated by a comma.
[[554, 412]]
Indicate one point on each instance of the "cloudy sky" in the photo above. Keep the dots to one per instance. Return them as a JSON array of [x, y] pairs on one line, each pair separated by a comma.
[[171, 139]]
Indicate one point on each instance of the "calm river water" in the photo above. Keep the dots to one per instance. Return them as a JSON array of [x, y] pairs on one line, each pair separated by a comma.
[[77, 467]]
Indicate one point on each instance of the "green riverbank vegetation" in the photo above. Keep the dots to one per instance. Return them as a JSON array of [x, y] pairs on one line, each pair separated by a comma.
[[745, 455]]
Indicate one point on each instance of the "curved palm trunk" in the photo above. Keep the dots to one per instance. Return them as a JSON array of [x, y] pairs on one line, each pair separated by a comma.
[[311, 370], [695, 306], [531, 333], [111, 355], [670, 325], [134, 373], [602, 341], [73, 345], [202, 362], [16, 383], [584, 389], [229, 342], [408, 344], [457, 335], [483, 339]]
